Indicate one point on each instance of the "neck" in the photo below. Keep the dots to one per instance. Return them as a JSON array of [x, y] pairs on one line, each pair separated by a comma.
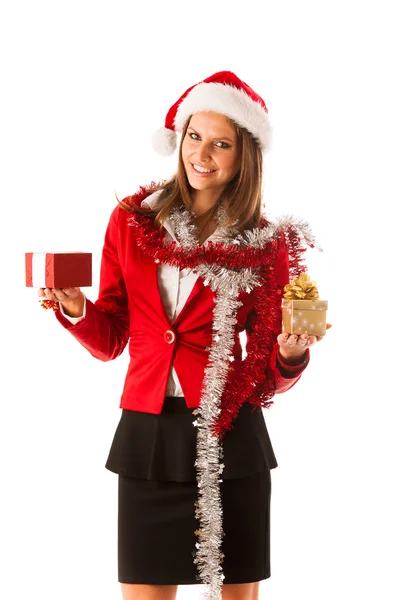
[[203, 200]]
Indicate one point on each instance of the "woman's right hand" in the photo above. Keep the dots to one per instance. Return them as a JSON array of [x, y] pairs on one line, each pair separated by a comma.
[[72, 299]]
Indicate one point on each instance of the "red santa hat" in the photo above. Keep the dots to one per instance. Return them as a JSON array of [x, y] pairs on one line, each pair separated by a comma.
[[223, 93]]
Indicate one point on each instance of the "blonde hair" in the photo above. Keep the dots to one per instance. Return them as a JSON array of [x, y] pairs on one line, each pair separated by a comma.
[[241, 197]]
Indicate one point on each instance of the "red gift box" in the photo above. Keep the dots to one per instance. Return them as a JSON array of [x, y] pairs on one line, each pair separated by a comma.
[[58, 269]]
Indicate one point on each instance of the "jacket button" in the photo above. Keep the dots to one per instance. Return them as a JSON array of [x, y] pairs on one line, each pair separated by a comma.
[[169, 336]]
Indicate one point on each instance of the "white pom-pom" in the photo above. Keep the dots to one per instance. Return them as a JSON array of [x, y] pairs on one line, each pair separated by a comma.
[[164, 141]]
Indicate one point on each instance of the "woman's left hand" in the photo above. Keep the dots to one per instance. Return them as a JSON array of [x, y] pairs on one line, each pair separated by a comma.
[[293, 346]]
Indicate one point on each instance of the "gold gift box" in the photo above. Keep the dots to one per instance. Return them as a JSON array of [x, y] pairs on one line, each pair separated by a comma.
[[304, 316], [302, 310]]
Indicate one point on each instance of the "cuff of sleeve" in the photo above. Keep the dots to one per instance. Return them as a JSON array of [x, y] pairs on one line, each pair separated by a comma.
[[288, 370], [74, 320]]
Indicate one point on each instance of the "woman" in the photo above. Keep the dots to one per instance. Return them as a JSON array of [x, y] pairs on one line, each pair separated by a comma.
[[186, 266]]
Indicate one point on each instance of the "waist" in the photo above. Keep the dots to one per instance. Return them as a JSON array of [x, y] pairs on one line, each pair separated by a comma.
[[175, 404], [163, 446]]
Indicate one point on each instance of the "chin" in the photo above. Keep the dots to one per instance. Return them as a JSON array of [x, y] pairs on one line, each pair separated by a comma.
[[199, 185]]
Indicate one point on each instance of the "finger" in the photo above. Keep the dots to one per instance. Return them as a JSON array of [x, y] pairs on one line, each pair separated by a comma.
[[50, 295], [292, 340], [282, 338], [69, 291], [59, 293], [328, 325], [303, 340]]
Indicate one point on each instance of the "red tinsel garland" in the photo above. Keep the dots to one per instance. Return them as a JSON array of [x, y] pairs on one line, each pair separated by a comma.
[[151, 241], [254, 383], [296, 250]]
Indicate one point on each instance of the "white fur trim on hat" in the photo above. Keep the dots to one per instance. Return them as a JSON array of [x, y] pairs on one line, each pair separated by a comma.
[[164, 141], [230, 101]]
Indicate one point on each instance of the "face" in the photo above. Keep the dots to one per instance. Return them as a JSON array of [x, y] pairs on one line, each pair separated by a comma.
[[210, 151]]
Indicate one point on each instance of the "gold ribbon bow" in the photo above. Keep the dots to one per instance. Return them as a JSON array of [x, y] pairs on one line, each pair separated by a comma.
[[302, 288]]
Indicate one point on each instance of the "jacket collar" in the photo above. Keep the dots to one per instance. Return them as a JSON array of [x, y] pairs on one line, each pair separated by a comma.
[[150, 202]]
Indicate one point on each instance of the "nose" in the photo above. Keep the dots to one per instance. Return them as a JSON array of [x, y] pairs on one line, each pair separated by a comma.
[[203, 153]]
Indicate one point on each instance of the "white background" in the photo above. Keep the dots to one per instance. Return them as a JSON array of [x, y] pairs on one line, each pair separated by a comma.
[[84, 85]]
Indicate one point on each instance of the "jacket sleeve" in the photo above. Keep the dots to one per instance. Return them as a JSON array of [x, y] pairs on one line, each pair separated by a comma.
[[74, 320], [104, 331], [284, 375]]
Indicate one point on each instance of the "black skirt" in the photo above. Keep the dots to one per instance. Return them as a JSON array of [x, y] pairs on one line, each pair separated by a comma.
[[154, 456], [156, 530]]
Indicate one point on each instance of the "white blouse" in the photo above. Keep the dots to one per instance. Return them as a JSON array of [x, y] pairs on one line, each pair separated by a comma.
[[175, 286]]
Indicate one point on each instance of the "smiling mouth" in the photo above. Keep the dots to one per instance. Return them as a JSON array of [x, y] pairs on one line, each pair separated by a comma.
[[202, 170]]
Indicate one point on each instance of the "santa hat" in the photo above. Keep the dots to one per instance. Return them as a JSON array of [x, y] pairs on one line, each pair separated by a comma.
[[223, 93]]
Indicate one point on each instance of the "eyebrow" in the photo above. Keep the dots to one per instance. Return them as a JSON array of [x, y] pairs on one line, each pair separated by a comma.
[[219, 138]]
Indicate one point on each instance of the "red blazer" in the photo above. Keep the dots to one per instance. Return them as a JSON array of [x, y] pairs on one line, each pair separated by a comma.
[[129, 308]]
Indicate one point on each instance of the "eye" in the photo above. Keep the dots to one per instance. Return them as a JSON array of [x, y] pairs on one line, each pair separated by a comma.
[[196, 137]]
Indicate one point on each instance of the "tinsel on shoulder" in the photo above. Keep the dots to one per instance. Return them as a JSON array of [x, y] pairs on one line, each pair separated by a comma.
[[234, 263]]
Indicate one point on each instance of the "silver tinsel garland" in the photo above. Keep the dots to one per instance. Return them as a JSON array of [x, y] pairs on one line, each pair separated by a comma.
[[227, 283]]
